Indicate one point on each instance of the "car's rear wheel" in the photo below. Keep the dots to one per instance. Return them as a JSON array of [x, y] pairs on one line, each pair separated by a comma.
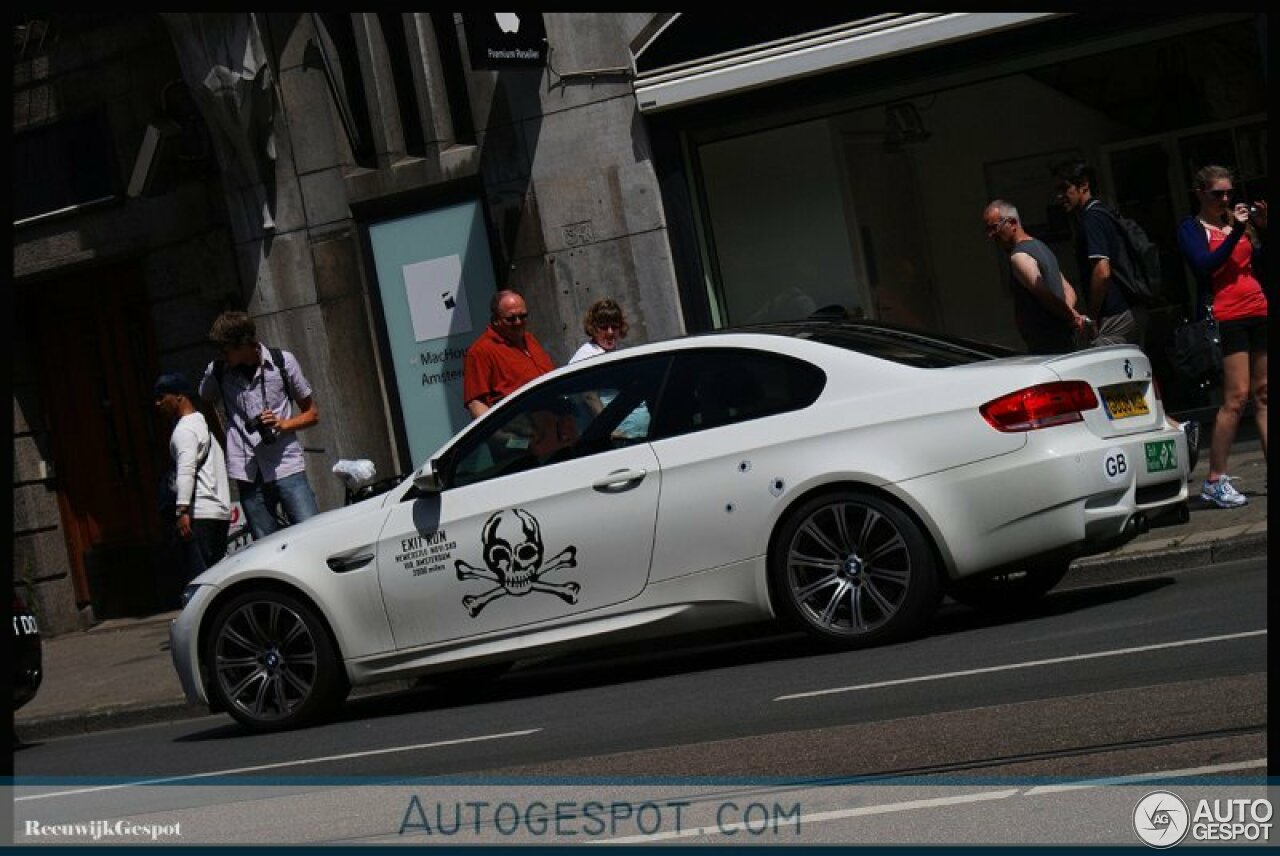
[[1013, 591], [854, 569], [271, 662]]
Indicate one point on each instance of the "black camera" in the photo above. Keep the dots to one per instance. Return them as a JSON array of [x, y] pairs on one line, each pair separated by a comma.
[[267, 434]]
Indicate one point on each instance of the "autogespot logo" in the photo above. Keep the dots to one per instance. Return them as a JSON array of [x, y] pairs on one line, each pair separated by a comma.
[[1161, 819]]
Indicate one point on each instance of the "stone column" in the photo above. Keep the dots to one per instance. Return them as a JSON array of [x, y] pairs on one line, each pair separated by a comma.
[[297, 247]]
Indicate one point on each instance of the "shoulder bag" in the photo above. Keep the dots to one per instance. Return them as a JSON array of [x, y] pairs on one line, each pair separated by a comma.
[[1197, 351]]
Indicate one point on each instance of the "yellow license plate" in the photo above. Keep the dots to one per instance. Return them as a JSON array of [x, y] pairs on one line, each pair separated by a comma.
[[1125, 401]]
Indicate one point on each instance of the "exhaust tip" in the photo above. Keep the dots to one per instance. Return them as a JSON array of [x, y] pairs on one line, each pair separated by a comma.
[[1139, 524]]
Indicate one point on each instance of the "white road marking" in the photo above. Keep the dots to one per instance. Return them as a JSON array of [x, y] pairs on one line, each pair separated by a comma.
[[942, 802], [278, 765], [1119, 652], [1147, 777], [822, 816]]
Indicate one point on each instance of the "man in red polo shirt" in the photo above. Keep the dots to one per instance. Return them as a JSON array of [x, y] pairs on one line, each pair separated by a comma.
[[504, 358]]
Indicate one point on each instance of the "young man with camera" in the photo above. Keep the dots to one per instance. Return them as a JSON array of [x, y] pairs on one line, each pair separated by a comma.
[[258, 387]]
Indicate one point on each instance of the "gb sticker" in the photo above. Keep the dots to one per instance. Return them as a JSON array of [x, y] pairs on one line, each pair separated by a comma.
[[1115, 466]]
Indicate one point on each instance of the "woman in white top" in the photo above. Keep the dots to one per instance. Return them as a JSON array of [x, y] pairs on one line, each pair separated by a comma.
[[605, 325]]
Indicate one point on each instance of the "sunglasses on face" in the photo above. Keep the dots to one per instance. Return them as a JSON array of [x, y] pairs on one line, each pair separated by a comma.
[[1220, 194], [604, 327], [516, 317], [992, 228]]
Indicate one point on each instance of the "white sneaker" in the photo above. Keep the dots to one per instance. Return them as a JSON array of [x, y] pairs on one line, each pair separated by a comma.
[[1222, 494]]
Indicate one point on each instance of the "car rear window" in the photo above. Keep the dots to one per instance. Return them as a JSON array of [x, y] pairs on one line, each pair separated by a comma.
[[909, 347]]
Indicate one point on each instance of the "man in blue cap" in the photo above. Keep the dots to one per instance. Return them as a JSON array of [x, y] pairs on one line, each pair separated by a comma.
[[198, 479]]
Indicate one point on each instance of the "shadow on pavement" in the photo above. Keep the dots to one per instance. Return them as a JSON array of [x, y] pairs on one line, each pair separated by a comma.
[[955, 618], [703, 652]]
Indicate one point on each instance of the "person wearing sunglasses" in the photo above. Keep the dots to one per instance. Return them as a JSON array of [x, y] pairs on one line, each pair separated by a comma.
[[605, 325], [505, 357], [1221, 247], [1100, 259]]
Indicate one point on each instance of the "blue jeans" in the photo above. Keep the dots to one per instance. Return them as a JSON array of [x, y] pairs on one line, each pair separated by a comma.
[[262, 502]]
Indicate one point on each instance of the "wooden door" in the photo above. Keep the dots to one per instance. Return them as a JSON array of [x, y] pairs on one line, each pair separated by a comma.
[[97, 363]]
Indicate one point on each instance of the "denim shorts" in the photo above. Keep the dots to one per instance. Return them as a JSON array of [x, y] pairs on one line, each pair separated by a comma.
[[1243, 334]]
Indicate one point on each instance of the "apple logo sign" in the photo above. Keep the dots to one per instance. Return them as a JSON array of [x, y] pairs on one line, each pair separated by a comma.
[[508, 22]]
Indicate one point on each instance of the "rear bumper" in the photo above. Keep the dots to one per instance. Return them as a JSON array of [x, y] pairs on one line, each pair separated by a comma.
[[1065, 491]]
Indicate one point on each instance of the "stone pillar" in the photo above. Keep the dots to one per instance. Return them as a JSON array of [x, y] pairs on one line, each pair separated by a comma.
[[297, 247]]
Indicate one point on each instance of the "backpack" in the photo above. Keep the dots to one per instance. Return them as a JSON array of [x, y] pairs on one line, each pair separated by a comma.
[[1140, 278]]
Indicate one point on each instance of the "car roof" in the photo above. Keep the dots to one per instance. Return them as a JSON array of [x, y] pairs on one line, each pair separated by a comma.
[[906, 346], [871, 336], [895, 343]]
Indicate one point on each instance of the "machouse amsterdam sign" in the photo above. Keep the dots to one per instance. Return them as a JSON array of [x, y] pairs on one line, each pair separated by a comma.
[[499, 40]]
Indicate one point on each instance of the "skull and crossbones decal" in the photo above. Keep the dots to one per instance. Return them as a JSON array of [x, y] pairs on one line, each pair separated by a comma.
[[514, 562]]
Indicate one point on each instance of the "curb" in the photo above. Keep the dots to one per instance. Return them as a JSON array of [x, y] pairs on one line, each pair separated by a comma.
[[74, 724], [1091, 570], [1250, 545], [109, 719]]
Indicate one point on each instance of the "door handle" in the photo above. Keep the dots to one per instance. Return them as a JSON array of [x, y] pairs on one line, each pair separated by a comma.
[[619, 481], [341, 564]]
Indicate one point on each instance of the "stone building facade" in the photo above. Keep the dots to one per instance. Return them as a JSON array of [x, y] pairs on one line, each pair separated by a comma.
[[570, 221]]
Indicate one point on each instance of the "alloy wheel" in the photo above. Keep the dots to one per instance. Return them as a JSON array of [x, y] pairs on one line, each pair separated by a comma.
[[265, 660]]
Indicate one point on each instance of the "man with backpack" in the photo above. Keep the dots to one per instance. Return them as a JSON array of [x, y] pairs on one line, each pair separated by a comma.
[[1120, 267], [258, 387], [1114, 284]]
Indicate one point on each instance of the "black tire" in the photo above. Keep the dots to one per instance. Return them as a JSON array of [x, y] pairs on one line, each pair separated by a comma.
[[271, 663], [1013, 591], [852, 569]]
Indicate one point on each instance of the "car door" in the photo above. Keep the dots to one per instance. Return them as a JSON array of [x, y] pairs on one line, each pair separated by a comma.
[[725, 432], [547, 512]]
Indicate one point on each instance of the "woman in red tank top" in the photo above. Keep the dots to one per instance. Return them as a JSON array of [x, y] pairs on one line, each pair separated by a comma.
[[1221, 252]]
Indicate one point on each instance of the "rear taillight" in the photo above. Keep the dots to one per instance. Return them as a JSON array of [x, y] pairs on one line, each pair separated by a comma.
[[1040, 406]]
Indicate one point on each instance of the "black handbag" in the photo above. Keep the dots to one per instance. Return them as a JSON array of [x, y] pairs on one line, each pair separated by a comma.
[[1197, 351]]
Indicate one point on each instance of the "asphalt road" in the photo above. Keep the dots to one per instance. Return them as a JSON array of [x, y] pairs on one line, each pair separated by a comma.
[[1124, 678]]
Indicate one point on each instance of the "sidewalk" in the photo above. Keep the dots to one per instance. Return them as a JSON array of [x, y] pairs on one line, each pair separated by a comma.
[[119, 673]]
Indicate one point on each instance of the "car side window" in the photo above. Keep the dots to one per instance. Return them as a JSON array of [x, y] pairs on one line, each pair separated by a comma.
[[587, 412], [718, 387]]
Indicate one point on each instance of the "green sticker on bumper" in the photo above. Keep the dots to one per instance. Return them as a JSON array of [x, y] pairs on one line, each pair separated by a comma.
[[1162, 455]]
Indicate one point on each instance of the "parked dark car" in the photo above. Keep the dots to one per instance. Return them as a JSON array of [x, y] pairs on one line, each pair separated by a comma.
[[27, 672]]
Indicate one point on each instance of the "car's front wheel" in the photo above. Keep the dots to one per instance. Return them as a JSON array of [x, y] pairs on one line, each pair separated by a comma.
[[271, 662], [853, 569]]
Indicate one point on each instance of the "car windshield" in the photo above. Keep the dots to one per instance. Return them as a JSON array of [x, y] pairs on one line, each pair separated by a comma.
[[897, 344]]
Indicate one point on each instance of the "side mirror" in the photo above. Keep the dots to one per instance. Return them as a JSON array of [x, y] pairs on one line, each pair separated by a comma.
[[427, 479]]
